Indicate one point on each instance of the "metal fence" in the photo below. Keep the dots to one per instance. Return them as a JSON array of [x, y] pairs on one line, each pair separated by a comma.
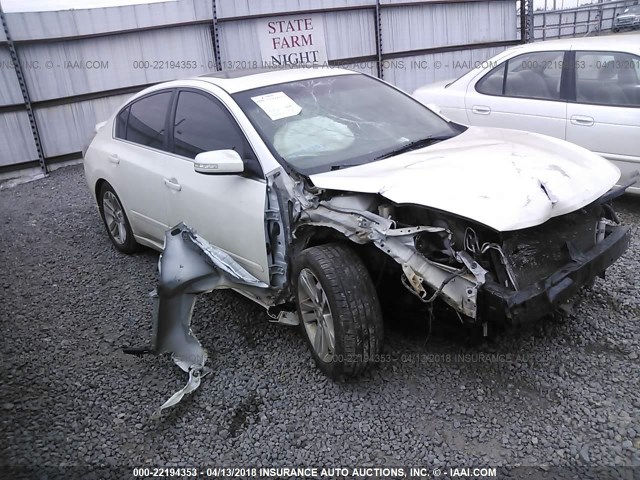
[[62, 72], [585, 20]]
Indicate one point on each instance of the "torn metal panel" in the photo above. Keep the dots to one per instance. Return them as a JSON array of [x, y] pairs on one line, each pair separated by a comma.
[[188, 267], [456, 287], [278, 227]]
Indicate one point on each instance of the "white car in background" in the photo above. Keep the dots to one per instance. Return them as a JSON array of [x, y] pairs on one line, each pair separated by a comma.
[[628, 18], [317, 192], [583, 90]]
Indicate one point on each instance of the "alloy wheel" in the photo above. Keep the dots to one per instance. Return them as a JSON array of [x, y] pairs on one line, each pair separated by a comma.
[[316, 315], [114, 217]]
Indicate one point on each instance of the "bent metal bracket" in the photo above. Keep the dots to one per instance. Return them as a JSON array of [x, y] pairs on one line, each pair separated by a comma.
[[188, 267]]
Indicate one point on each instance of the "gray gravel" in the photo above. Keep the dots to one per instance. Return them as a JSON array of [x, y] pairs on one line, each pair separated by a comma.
[[565, 393]]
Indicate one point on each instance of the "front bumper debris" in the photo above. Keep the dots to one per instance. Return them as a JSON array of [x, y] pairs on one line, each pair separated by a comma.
[[188, 266], [498, 304]]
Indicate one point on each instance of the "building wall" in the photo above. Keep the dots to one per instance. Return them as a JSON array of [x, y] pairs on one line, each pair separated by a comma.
[[80, 65]]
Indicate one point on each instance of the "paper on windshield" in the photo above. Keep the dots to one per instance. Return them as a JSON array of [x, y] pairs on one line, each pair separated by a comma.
[[277, 105]]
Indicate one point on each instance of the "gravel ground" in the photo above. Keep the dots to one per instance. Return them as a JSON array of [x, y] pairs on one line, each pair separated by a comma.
[[564, 393]]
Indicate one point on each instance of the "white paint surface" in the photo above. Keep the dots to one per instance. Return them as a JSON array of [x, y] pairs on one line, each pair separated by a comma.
[[492, 176]]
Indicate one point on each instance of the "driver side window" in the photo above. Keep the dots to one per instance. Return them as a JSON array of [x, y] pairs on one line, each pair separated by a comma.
[[202, 124]]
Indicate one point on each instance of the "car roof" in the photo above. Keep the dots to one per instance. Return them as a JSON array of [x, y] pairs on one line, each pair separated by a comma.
[[234, 81], [620, 42]]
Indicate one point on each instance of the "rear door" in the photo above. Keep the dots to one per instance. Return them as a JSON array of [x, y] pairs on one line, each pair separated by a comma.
[[226, 209], [139, 158], [523, 93], [603, 113]]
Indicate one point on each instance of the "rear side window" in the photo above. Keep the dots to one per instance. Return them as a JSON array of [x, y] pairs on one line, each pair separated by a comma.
[[608, 78], [121, 123], [146, 121]]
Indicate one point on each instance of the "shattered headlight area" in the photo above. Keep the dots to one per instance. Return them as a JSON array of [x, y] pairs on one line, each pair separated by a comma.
[[188, 267]]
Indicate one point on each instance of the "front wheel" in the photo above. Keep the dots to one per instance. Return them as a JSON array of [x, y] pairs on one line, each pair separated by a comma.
[[339, 311]]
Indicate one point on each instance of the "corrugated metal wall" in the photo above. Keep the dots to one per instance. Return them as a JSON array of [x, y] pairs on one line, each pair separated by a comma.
[[78, 118], [79, 65], [29, 26], [76, 64], [423, 69], [412, 28], [16, 139], [98, 64], [15, 131]]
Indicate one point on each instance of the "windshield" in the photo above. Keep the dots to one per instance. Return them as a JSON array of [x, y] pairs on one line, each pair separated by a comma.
[[634, 9], [328, 123]]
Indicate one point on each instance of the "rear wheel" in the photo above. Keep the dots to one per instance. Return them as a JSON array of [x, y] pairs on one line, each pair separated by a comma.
[[339, 311], [115, 220]]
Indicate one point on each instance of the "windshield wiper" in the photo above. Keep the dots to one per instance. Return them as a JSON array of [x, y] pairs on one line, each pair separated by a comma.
[[423, 142], [333, 168]]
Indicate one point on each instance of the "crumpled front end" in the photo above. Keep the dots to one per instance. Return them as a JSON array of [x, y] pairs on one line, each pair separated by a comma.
[[499, 303], [485, 275]]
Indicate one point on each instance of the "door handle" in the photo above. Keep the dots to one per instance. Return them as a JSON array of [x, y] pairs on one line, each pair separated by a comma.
[[481, 110], [173, 184], [113, 158], [582, 120]]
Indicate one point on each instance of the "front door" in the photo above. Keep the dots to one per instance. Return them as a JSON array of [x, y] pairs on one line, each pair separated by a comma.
[[226, 209]]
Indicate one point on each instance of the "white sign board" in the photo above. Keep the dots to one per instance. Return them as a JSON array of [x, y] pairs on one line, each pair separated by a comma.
[[292, 40]]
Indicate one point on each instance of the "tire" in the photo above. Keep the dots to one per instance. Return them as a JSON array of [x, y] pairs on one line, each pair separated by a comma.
[[115, 220], [615, 30], [349, 305]]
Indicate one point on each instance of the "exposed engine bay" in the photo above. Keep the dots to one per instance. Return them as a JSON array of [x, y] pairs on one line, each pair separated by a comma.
[[441, 255]]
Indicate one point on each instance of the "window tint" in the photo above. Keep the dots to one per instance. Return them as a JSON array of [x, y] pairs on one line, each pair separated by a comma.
[[202, 125], [146, 124], [491, 83], [534, 75], [608, 78], [121, 123]]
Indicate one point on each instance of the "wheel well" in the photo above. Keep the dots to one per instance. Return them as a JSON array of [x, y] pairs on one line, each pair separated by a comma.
[[314, 236], [374, 259], [99, 185]]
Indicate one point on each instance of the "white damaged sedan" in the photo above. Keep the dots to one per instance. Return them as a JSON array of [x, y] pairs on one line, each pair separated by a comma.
[[317, 192]]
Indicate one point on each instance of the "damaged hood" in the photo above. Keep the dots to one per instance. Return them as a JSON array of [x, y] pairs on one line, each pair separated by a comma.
[[504, 179]]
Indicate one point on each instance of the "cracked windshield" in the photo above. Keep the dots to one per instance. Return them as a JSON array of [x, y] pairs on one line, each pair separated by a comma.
[[340, 121]]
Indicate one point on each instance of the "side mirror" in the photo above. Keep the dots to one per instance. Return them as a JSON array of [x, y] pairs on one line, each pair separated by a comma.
[[218, 161], [434, 108], [437, 110]]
